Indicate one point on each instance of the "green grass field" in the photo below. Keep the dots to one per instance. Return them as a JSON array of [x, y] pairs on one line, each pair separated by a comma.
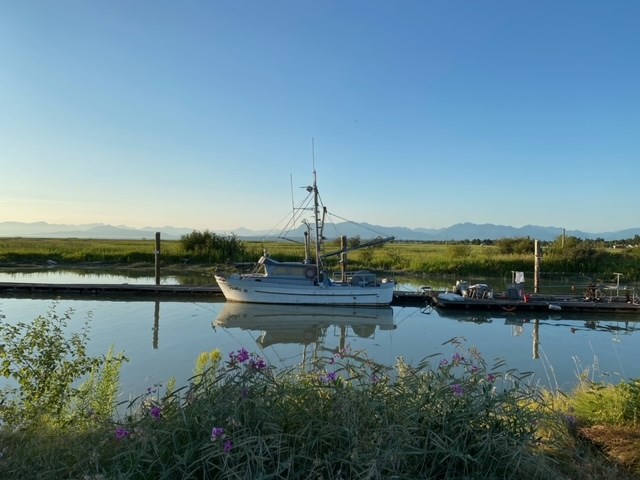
[[395, 257]]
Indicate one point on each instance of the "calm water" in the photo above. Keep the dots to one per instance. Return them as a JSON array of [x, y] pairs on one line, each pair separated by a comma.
[[163, 339]]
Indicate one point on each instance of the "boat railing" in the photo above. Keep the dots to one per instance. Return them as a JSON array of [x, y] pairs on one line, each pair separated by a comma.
[[613, 293]]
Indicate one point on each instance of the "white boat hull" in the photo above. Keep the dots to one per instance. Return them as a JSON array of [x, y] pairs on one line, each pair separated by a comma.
[[251, 289]]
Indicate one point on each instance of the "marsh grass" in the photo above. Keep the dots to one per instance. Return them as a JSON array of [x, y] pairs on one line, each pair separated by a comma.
[[601, 421], [460, 260], [72, 250]]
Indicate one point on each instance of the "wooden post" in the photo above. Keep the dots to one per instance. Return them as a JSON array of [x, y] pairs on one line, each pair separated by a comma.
[[536, 267], [536, 340], [156, 325], [343, 257], [157, 252]]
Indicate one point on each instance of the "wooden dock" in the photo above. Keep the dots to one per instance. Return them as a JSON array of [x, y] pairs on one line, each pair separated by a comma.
[[401, 298], [109, 291], [540, 303], [127, 291]]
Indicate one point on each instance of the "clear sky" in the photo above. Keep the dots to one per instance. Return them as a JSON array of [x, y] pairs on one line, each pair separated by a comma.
[[425, 113]]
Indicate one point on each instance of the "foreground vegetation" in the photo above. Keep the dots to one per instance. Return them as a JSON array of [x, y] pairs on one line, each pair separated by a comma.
[[452, 416], [594, 259]]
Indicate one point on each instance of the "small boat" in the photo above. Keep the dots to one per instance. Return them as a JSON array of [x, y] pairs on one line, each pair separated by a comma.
[[307, 282], [480, 297]]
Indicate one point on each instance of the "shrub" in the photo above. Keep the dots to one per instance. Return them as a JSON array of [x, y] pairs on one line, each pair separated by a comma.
[[346, 417], [45, 360], [216, 248]]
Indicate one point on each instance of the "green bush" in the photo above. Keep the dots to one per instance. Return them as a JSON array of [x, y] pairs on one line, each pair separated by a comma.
[[213, 247], [346, 417], [45, 360]]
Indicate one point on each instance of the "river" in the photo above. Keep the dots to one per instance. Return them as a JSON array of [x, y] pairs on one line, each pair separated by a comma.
[[162, 339]]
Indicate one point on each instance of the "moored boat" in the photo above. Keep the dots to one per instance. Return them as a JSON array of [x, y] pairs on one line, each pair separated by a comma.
[[480, 297], [307, 282]]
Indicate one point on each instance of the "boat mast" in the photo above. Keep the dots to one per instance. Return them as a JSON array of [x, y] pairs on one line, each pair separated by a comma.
[[316, 214]]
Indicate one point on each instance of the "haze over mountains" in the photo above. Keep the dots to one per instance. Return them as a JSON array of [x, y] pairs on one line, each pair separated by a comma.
[[460, 231]]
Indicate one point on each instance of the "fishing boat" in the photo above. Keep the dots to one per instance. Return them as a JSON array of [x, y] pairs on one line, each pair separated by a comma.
[[308, 282]]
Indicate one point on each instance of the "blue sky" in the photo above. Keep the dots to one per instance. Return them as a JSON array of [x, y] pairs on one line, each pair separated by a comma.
[[201, 114]]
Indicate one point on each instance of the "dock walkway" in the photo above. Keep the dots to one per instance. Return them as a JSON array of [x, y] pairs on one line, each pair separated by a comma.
[[145, 292]]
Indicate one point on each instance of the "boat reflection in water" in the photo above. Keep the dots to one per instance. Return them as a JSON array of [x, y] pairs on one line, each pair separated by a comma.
[[303, 324]]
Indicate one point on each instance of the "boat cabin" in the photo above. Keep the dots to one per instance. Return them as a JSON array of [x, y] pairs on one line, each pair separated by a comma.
[[288, 270]]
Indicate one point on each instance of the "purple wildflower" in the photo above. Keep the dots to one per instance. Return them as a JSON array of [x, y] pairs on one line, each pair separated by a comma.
[[444, 362], [122, 433], [457, 390], [216, 433], [457, 358], [491, 378], [474, 369], [330, 377], [228, 446], [156, 412], [258, 363], [571, 420], [375, 378], [242, 355]]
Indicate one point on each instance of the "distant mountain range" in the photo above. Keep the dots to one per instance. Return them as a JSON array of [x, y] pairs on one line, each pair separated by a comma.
[[460, 231]]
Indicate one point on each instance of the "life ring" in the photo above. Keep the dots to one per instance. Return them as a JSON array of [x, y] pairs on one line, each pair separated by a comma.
[[310, 272]]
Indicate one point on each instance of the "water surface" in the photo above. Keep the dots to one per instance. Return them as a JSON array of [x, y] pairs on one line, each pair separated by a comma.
[[162, 339]]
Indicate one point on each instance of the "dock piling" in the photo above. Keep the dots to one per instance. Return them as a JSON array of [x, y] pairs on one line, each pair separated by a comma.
[[157, 252]]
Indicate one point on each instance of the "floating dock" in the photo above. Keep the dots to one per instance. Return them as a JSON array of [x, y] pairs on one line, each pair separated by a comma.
[[107, 290], [401, 298], [537, 303], [127, 291]]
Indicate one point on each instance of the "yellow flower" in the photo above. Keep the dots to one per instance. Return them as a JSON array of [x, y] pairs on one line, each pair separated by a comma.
[[215, 355]]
